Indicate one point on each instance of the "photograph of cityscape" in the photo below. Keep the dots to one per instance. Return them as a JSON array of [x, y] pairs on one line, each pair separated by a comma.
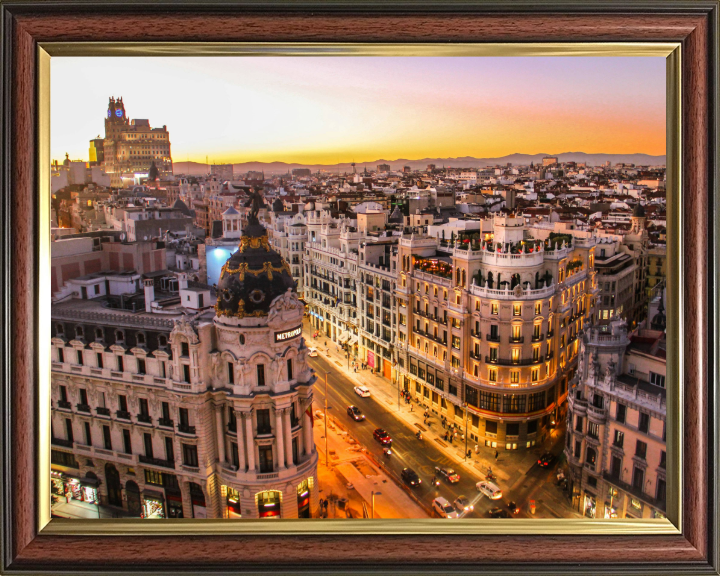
[[358, 287]]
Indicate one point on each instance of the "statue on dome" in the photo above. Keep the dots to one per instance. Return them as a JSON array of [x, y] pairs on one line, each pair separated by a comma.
[[255, 202]]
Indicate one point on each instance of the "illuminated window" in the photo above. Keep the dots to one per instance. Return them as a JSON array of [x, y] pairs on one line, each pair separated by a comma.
[[494, 308], [492, 375], [517, 309], [538, 308], [515, 354], [514, 377], [535, 375]]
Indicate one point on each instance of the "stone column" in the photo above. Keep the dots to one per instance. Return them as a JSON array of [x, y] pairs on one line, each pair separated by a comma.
[[279, 439], [250, 441], [239, 421], [220, 433], [288, 437], [308, 434]]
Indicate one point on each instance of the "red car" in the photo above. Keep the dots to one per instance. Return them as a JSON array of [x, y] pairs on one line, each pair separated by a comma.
[[381, 436], [546, 459]]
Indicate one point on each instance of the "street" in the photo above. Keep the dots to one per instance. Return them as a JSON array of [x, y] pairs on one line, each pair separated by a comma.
[[424, 455]]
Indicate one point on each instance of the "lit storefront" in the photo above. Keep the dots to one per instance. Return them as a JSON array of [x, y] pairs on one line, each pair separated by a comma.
[[65, 486], [233, 503], [268, 504], [590, 505], [303, 498], [174, 504], [153, 505]]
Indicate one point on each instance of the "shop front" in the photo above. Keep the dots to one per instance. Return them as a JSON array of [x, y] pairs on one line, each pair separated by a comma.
[[303, 499], [268, 504], [67, 487], [590, 505], [153, 504], [174, 503], [198, 501], [233, 503]]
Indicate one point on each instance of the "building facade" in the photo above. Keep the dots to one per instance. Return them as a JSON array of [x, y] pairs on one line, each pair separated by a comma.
[[487, 327], [615, 443], [184, 410]]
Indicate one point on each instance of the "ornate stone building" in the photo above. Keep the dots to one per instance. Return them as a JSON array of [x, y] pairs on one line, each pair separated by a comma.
[[170, 409]]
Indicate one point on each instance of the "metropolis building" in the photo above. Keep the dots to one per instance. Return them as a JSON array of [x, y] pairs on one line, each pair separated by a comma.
[[487, 327], [167, 408]]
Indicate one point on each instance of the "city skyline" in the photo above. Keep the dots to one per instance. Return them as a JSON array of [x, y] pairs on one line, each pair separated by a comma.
[[334, 110]]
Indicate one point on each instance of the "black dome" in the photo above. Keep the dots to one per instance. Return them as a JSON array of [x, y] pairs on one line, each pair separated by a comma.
[[252, 277], [639, 211]]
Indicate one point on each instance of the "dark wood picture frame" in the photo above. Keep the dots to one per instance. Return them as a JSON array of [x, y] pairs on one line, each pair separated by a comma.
[[693, 24]]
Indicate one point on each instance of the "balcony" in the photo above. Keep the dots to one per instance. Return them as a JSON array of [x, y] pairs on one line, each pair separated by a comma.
[[64, 404], [598, 412], [146, 418], [476, 334], [63, 443], [550, 333], [511, 362], [633, 491], [493, 338], [538, 337], [102, 411], [156, 462], [166, 422], [124, 414], [518, 340], [83, 408], [186, 428]]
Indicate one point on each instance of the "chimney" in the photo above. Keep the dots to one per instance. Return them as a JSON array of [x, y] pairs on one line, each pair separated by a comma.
[[149, 294], [182, 280]]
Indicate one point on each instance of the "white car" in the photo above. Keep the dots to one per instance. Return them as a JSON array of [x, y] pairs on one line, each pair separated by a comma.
[[312, 352], [362, 391], [443, 508], [489, 489]]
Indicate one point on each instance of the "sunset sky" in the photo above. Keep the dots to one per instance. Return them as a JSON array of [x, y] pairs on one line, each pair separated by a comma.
[[340, 109]]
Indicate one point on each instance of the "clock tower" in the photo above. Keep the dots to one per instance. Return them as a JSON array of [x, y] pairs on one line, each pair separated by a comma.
[[116, 118]]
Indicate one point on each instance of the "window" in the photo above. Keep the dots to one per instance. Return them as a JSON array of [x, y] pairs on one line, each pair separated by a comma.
[[120, 364], [61, 355], [88, 434], [515, 355], [535, 374], [538, 308], [184, 417], [517, 309], [153, 477], [593, 430], [494, 308], [514, 377], [657, 379], [456, 342], [266, 459], [493, 354], [590, 457], [99, 357], [638, 478], [494, 331], [190, 457], [127, 443], [107, 440], [261, 374], [143, 403], [263, 422], [80, 357], [532, 427], [644, 422], [578, 448], [536, 354], [618, 439], [184, 349], [455, 362], [147, 442], [141, 366], [579, 424], [536, 332], [620, 413], [641, 449], [491, 427], [492, 375]]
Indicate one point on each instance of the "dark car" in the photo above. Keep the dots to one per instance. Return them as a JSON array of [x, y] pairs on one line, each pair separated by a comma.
[[546, 459], [499, 513], [448, 473], [410, 477], [381, 436], [355, 413]]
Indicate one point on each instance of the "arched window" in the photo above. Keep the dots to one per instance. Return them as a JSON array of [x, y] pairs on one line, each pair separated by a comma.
[[119, 336], [79, 331], [268, 503], [99, 334], [140, 339], [162, 341]]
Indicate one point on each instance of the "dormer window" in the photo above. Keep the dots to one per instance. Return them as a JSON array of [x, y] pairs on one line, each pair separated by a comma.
[[119, 336], [99, 334], [79, 331], [162, 341], [141, 339], [59, 331]]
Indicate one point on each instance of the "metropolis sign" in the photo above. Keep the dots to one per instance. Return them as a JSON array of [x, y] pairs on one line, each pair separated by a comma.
[[288, 334]]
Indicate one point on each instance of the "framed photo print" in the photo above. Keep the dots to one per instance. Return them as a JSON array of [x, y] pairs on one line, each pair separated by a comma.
[[398, 288]]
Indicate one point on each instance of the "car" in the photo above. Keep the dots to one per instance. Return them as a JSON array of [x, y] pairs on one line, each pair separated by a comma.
[[381, 436], [442, 508], [410, 477], [355, 413], [489, 489], [546, 459], [499, 513], [362, 391], [448, 473], [462, 504], [313, 352]]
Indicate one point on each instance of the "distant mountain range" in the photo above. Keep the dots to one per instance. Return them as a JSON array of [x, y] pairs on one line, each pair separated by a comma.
[[275, 168]]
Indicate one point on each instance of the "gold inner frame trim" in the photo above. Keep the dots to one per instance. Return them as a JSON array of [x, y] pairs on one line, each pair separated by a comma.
[[187, 527]]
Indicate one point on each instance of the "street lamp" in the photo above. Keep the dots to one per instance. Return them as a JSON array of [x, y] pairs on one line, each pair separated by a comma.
[[372, 506]]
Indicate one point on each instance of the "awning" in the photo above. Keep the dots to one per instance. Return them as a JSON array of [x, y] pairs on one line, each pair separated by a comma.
[[83, 481]]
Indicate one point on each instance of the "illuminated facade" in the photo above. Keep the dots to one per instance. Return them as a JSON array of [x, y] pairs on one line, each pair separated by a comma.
[[489, 323]]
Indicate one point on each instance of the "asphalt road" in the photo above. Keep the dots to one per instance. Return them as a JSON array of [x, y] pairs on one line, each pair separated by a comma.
[[407, 451]]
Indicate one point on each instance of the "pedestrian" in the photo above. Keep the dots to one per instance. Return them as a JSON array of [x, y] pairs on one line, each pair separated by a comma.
[[469, 453], [355, 369], [411, 408], [496, 454], [476, 448]]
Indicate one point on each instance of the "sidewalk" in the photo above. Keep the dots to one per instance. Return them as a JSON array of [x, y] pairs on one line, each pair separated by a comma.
[[509, 468], [352, 475]]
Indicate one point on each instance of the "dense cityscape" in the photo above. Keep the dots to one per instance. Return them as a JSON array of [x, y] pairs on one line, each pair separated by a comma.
[[383, 341]]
